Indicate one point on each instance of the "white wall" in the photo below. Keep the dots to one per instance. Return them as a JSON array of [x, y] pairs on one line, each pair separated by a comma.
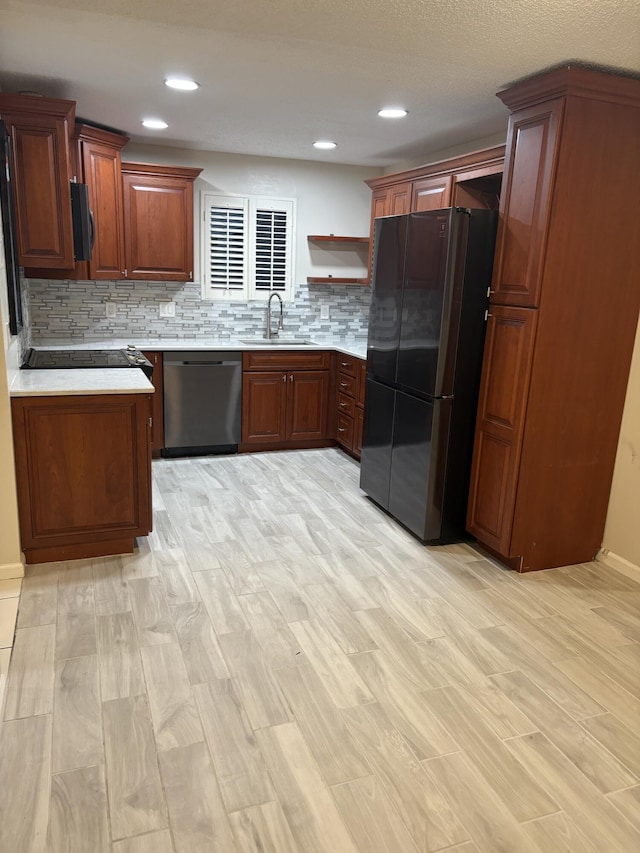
[[622, 531], [330, 199], [10, 558]]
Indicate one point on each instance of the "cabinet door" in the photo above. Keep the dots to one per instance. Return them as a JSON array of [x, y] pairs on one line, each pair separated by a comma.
[[41, 176], [157, 403], [264, 407], [399, 199], [83, 466], [307, 405], [431, 193], [158, 219], [532, 142], [506, 372], [101, 166]]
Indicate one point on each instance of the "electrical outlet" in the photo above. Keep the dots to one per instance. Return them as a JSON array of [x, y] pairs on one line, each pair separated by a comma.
[[167, 309], [324, 312], [110, 309]]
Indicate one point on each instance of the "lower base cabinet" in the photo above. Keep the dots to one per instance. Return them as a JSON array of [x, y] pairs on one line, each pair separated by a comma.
[[83, 466], [285, 400], [350, 390], [157, 380]]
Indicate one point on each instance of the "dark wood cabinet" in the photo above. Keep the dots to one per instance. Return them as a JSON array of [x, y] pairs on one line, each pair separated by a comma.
[[39, 129], [532, 144], [157, 402], [83, 467], [500, 424], [96, 162], [264, 407], [158, 218], [470, 180], [285, 399], [99, 152], [431, 193], [555, 372], [307, 405], [350, 387]]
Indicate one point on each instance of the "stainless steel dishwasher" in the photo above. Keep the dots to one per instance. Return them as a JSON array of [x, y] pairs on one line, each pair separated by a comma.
[[202, 402]]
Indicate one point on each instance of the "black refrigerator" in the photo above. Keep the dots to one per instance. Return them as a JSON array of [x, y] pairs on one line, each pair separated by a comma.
[[430, 293]]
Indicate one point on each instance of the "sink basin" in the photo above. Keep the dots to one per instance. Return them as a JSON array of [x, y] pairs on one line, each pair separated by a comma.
[[277, 342]]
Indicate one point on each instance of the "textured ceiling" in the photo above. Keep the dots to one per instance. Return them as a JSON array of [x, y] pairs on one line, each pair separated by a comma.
[[278, 74]]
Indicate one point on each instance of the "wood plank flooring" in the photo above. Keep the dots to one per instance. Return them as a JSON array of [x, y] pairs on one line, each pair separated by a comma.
[[281, 668]]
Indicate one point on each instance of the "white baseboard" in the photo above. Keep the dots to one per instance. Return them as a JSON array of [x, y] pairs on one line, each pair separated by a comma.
[[621, 564], [11, 570]]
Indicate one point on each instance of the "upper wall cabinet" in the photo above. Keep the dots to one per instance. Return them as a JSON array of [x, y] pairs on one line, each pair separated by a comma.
[[472, 180], [39, 131], [98, 153], [95, 160], [158, 217]]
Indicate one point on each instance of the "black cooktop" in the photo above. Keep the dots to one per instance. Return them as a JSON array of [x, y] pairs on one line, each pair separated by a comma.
[[50, 358]]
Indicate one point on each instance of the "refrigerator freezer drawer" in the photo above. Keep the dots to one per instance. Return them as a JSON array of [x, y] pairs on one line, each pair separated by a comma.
[[419, 464], [377, 436]]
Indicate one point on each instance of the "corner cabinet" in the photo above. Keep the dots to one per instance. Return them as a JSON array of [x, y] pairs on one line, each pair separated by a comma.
[[562, 320], [285, 399], [39, 129], [158, 221], [83, 466]]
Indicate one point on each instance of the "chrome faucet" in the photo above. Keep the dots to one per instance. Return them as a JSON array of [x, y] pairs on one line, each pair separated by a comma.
[[280, 321]]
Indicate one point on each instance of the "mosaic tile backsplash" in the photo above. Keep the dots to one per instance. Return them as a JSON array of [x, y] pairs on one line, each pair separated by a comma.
[[75, 310]]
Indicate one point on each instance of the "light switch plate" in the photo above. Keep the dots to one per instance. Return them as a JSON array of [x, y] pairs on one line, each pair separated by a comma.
[[110, 309], [324, 312], [167, 309]]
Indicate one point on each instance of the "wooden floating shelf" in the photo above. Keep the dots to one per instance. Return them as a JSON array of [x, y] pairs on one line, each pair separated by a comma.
[[335, 280], [332, 238]]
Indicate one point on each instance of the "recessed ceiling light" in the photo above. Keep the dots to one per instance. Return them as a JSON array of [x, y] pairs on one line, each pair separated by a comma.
[[182, 83], [324, 144], [154, 123], [392, 112]]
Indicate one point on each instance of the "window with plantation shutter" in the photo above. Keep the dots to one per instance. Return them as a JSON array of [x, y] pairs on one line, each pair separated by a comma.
[[247, 247], [226, 246]]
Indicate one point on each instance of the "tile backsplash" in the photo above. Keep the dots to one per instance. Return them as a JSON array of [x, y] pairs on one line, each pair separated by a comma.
[[75, 310]]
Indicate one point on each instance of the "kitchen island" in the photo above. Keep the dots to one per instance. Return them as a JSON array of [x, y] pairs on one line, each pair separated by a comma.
[[83, 461]]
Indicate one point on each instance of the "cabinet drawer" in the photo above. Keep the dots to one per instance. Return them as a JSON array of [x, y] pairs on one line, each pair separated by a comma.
[[346, 405], [285, 360], [347, 385], [344, 431], [347, 364]]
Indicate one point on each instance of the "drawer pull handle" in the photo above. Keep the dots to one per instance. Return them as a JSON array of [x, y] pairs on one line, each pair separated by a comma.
[[343, 385], [344, 364], [340, 429], [342, 405]]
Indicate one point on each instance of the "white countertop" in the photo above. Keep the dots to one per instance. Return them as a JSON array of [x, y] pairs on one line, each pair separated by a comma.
[[58, 383], [357, 348], [61, 382]]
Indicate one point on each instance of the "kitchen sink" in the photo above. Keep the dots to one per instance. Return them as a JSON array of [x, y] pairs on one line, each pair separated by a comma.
[[278, 342]]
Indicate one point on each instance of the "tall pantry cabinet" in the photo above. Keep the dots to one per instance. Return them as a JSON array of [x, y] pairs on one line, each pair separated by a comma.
[[564, 311]]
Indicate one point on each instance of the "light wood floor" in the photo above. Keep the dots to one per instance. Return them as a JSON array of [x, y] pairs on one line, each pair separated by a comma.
[[282, 668]]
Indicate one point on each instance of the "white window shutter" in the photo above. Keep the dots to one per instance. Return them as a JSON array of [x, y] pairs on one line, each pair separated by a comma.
[[226, 246], [271, 247]]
